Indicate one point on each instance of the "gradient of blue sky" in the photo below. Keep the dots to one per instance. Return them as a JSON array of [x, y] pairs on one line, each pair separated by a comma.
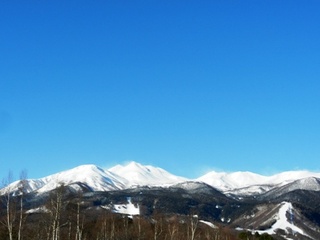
[[183, 85]]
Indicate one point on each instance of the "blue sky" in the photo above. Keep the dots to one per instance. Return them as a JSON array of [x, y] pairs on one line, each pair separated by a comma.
[[186, 86]]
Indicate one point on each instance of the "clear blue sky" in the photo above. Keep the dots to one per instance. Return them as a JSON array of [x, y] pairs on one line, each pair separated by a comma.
[[183, 85]]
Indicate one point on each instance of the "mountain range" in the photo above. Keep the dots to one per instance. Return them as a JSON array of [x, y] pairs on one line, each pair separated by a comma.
[[135, 174], [286, 205]]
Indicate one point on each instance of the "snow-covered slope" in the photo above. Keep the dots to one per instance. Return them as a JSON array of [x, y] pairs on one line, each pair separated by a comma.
[[284, 221], [27, 185], [94, 177], [228, 181], [136, 174], [127, 209], [310, 183]]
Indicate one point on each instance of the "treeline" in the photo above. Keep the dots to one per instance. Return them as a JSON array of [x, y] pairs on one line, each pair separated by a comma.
[[61, 218]]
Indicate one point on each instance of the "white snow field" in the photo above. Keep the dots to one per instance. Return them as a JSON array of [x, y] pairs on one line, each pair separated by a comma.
[[284, 221]]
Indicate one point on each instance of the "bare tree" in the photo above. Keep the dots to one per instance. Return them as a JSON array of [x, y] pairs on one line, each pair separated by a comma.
[[10, 211], [193, 225], [157, 225], [125, 225], [79, 218], [139, 226], [112, 226], [173, 227], [106, 225], [103, 226], [22, 190], [55, 208]]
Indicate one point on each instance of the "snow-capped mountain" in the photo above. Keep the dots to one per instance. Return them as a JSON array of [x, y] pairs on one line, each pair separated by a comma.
[[136, 174], [98, 179], [229, 181], [92, 176], [310, 183], [244, 183]]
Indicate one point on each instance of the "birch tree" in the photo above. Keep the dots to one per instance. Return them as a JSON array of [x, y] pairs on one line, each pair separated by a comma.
[[55, 208], [173, 228], [193, 225], [10, 211], [157, 225], [79, 217], [22, 191]]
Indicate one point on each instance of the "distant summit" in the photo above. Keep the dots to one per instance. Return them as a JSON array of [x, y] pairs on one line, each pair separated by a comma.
[[137, 174]]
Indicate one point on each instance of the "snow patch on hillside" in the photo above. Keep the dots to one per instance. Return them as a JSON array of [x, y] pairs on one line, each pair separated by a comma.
[[210, 224], [38, 210], [127, 209], [282, 221]]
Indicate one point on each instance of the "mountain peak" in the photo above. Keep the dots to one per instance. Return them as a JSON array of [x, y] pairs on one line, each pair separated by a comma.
[[85, 169], [93, 176], [138, 174], [131, 165]]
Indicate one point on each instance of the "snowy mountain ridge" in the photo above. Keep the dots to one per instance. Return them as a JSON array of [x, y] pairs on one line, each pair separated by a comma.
[[94, 177], [135, 174], [227, 181], [98, 179]]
